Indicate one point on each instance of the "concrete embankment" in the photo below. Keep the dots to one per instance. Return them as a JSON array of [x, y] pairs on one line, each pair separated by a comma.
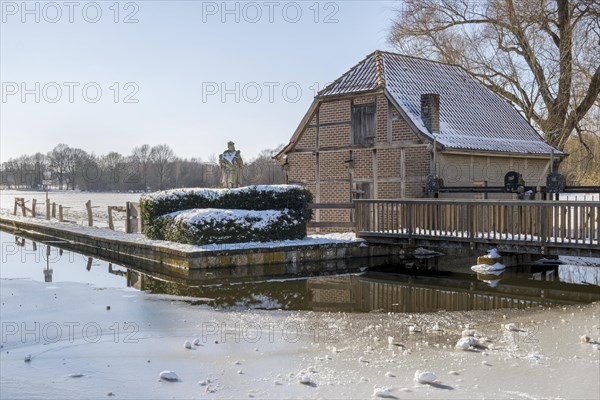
[[120, 247]]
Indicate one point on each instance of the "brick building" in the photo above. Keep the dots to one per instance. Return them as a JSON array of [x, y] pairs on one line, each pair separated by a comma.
[[371, 134]]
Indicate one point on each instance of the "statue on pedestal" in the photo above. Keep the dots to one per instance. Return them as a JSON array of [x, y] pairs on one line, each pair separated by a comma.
[[231, 164]]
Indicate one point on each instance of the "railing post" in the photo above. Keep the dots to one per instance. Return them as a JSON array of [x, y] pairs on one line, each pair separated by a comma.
[[409, 218], [543, 226], [470, 224]]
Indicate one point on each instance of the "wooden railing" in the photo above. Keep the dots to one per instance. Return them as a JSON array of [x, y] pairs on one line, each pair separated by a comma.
[[534, 222], [332, 224]]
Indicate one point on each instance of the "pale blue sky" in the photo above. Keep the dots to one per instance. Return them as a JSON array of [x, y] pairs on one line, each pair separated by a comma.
[[177, 54]]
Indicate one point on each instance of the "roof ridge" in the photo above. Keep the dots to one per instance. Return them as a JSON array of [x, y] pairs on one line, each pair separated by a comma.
[[379, 74], [419, 58]]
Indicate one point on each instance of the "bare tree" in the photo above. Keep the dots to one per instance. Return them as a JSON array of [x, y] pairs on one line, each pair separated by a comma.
[[59, 162], [161, 156], [76, 160], [541, 55], [41, 165], [141, 156], [264, 169], [112, 162]]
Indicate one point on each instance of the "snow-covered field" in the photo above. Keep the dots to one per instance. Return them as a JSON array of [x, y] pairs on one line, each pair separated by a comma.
[[75, 201]]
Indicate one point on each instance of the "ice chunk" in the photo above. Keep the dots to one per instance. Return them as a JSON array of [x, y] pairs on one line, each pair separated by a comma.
[[382, 391], [585, 339], [168, 376], [425, 376]]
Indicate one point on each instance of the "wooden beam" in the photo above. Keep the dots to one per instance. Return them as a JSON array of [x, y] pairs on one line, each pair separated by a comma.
[[330, 206], [330, 224]]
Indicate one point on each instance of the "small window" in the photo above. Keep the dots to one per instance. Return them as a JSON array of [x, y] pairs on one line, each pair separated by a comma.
[[363, 124], [361, 190]]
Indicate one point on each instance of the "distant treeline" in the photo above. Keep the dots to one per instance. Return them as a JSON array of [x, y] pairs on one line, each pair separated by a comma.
[[146, 168]]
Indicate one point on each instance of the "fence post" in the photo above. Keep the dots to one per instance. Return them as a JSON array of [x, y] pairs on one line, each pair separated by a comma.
[[88, 207], [48, 209], [23, 208], [33, 206], [53, 210], [16, 205], [111, 225], [60, 213]]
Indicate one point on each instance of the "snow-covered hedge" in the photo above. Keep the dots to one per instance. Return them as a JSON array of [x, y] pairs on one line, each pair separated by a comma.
[[209, 225], [292, 198]]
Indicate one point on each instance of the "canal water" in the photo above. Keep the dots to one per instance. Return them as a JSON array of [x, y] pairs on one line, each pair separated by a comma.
[[403, 284]]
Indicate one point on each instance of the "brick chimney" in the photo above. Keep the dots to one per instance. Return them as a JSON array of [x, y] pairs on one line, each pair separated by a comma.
[[430, 111]]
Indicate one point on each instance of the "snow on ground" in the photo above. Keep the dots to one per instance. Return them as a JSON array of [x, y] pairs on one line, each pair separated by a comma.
[[280, 354], [74, 201]]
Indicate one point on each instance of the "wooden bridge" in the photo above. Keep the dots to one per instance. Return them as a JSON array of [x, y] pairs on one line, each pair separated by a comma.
[[539, 227]]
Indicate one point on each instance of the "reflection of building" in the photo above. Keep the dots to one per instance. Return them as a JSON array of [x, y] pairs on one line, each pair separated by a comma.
[[430, 292], [335, 292]]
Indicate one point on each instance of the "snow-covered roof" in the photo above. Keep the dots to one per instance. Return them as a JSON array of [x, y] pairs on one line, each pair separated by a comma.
[[472, 117]]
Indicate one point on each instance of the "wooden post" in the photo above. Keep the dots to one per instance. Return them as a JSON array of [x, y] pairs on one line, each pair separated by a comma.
[[33, 206], [16, 205], [544, 227], [47, 206], [409, 219], [132, 221], [88, 206], [23, 208], [53, 210], [60, 213], [111, 225]]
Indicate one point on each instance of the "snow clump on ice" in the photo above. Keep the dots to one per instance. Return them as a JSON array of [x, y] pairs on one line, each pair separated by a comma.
[[168, 376], [425, 376], [382, 391]]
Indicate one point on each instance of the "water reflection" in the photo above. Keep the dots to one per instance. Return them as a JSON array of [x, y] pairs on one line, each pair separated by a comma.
[[393, 284]]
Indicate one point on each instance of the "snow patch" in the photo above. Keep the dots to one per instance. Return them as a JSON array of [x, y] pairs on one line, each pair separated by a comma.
[[484, 268]]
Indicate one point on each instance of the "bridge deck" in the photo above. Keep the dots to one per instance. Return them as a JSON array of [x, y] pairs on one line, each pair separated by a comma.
[[540, 227]]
